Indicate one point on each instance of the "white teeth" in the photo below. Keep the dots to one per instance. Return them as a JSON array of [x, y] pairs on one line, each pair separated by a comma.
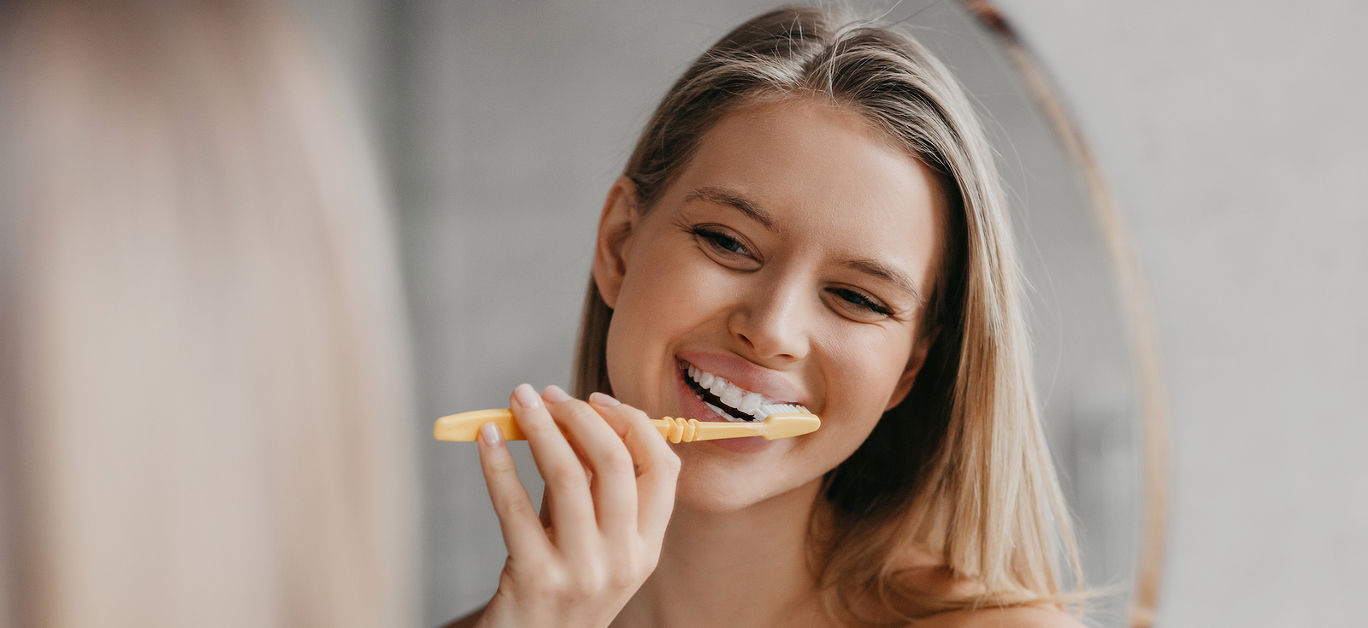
[[718, 386], [750, 403], [730, 394]]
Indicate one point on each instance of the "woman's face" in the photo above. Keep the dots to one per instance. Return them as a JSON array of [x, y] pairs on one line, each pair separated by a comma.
[[791, 259]]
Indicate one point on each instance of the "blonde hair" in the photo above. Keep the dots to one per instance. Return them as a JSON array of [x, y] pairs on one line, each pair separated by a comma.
[[960, 467], [207, 392]]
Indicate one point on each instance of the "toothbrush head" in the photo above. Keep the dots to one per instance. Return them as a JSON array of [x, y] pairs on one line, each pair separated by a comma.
[[787, 421]]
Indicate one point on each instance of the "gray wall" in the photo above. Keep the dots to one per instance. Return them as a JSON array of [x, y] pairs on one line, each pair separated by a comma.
[[1234, 134]]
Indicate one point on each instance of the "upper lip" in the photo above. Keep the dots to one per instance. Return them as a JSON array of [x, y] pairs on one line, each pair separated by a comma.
[[772, 385]]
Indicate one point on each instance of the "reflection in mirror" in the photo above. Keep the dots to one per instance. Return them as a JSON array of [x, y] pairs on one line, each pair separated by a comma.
[[510, 123]]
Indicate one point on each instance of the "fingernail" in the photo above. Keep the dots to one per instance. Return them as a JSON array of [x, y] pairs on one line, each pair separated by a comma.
[[525, 396], [554, 394], [600, 399], [489, 433]]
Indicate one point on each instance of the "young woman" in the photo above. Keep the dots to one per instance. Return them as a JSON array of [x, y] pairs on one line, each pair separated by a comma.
[[812, 215]]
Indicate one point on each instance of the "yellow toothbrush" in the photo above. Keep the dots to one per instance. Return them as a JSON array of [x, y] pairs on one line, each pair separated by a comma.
[[781, 421]]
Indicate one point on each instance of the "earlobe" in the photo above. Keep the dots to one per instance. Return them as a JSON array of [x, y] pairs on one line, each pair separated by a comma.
[[616, 224]]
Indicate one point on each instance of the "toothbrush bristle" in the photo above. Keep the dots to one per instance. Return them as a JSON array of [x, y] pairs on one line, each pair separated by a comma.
[[771, 409]]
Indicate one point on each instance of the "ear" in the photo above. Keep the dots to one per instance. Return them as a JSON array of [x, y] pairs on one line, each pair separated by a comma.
[[914, 365], [616, 224]]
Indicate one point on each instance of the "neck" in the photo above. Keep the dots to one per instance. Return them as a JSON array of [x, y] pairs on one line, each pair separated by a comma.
[[746, 567]]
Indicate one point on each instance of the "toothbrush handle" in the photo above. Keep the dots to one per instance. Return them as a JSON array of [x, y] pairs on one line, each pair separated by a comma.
[[693, 430], [465, 426]]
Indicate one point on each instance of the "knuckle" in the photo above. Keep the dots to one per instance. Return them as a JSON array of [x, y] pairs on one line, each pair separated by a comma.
[[501, 465], [671, 462], [548, 584], [573, 410], [618, 460], [516, 507], [640, 421], [621, 579], [567, 477], [537, 429], [588, 583], [645, 557]]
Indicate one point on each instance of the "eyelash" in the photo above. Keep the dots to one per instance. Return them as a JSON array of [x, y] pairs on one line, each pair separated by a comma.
[[725, 244], [720, 241], [859, 300]]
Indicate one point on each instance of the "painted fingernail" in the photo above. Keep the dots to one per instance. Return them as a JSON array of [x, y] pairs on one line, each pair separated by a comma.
[[600, 399], [525, 396], [489, 433], [554, 394]]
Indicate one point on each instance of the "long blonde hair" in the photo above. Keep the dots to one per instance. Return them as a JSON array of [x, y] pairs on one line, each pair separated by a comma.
[[205, 365], [961, 467]]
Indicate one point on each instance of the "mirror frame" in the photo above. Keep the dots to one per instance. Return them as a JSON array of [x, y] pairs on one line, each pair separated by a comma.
[[1137, 317]]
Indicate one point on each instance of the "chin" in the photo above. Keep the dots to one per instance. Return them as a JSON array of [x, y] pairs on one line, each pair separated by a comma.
[[704, 487], [713, 489], [711, 498]]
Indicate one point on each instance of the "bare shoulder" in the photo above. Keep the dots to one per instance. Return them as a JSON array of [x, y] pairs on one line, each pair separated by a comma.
[[1015, 617], [468, 621]]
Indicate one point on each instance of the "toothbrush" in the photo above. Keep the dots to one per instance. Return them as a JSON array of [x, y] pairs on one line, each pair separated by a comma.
[[781, 421]]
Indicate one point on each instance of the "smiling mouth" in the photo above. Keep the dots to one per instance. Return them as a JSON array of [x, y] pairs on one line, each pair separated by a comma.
[[727, 400]]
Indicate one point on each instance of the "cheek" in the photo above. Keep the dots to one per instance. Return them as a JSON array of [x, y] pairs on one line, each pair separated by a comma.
[[666, 297], [670, 291], [867, 369]]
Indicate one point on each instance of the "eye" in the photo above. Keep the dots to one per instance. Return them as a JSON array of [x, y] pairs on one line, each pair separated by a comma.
[[721, 243], [862, 303]]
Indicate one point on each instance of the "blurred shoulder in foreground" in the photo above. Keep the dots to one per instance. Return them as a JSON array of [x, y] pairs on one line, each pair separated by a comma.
[[204, 380]]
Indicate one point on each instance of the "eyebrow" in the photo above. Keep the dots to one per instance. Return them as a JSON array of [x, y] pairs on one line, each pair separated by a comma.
[[723, 196], [887, 273]]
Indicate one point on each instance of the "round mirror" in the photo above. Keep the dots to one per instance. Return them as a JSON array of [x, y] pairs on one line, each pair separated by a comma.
[[508, 122]]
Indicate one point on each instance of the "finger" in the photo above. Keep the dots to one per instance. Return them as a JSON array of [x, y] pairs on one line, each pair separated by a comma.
[[613, 481], [567, 489], [522, 532], [657, 466]]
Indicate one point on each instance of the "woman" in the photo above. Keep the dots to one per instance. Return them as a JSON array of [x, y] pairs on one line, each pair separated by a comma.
[[812, 215]]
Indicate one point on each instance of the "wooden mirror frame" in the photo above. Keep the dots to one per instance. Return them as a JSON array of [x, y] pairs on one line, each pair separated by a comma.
[[1137, 318]]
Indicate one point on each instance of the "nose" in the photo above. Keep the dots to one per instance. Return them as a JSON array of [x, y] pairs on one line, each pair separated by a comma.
[[773, 321]]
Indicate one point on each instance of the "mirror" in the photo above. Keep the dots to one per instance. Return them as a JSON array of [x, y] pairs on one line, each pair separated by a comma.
[[507, 123]]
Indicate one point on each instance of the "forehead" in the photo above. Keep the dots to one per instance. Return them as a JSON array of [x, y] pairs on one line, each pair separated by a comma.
[[821, 169]]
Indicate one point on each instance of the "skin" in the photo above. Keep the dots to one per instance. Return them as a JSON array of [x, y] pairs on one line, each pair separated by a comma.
[[758, 264]]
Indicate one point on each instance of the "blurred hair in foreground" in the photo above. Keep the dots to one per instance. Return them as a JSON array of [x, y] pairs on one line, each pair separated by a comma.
[[204, 371]]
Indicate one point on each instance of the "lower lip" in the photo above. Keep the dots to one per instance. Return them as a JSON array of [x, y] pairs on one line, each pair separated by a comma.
[[694, 408]]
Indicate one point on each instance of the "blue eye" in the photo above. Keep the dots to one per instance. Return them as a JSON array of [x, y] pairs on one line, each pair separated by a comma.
[[861, 301], [721, 242]]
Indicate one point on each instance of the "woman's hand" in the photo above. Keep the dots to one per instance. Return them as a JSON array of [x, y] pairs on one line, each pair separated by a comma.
[[610, 484]]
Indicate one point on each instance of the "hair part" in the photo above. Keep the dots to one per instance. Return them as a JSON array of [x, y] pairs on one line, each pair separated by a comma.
[[961, 466]]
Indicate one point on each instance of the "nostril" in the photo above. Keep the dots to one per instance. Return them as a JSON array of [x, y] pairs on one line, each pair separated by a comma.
[[773, 328]]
